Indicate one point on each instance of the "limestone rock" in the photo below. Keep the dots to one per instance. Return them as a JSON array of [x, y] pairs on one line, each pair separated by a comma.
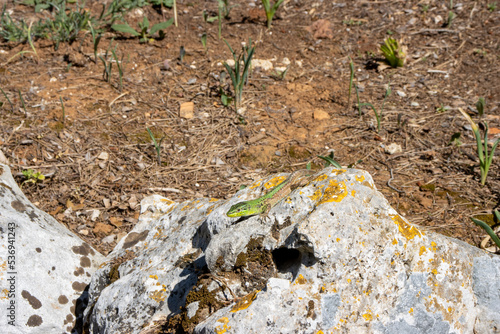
[[333, 256], [45, 267]]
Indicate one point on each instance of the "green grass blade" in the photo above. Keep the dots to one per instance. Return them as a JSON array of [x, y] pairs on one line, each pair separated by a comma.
[[488, 230], [125, 28]]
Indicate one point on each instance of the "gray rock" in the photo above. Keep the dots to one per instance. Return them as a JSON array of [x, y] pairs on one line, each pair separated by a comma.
[[45, 267], [333, 256]]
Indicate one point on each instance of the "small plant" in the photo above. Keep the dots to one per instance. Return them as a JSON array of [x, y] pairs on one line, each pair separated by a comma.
[[63, 111], [226, 8], [119, 65], [32, 177], [451, 15], [157, 145], [352, 22], [329, 160], [425, 8], [144, 32], [488, 229], [394, 53], [455, 139], [22, 102], [480, 106], [280, 75], [270, 10], [240, 74], [11, 105], [204, 41], [351, 68], [378, 116], [442, 108], [108, 65], [492, 6], [485, 157], [96, 38]]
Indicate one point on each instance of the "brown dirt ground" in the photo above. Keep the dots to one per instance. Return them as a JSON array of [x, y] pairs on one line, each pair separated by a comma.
[[101, 157]]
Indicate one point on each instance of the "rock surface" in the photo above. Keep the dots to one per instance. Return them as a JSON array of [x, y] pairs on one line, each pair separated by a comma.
[[44, 267], [332, 257]]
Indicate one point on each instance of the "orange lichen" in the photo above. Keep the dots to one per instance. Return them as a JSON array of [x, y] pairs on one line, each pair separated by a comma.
[[274, 182], [359, 178], [245, 302], [300, 280], [320, 178], [338, 171], [422, 250]]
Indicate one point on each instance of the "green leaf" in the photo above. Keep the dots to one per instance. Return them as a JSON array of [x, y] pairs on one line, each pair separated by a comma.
[[212, 19], [488, 230], [125, 28], [480, 106], [329, 161], [161, 26]]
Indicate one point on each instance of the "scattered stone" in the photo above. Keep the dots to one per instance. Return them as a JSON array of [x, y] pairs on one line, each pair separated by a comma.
[[106, 202], [414, 104], [103, 156], [393, 149], [320, 114], [264, 64], [278, 153], [118, 222], [94, 214], [84, 232], [109, 239], [187, 110], [401, 93]]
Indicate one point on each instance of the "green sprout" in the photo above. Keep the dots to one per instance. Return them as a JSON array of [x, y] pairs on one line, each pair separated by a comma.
[[144, 32], [488, 229], [492, 6], [240, 74], [351, 68], [157, 145], [480, 106], [485, 157], [329, 160], [378, 116], [96, 38], [11, 105], [204, 41], [270, 10], [32, 177], [394, 53], [442, 108]]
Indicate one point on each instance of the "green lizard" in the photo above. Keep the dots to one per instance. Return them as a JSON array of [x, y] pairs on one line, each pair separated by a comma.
[[263, 205]]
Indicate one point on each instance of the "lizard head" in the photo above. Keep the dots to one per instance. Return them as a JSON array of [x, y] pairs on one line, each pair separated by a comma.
[[243, 209]]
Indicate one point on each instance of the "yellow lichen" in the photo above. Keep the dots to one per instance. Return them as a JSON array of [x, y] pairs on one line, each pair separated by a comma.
[[224, 328], [335, 192], [411, 310], [395, 241], [320, 178], [153, 277], [274, 182], [316, 196], [353, 193], [255, 184], [338, 171], [166, 201], [157, 296], [368, 316], [300, 280], [407, 230], [245, 302], [213, 200], [359, 178], [422, 250]]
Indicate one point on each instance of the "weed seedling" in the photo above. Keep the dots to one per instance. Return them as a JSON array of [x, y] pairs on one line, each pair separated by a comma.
[[270, 10], [119, 65], [32, 177], [378, 116], [485, 157], [480, 106], [144, 32], [63, 111], [455, 139], [329, 160], [240, 74], [442, 108], [96, 38], [11, 105], [157, 146], [394, 53], [22, 102], [204, 41], [351, 68], [492, 6], [451, 15], [488, 229]]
